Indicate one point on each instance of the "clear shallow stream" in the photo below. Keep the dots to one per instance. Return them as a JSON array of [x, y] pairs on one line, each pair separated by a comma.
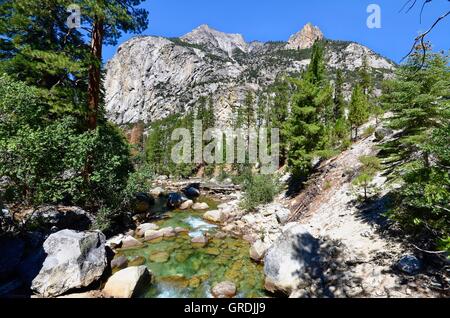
[[183, 270]]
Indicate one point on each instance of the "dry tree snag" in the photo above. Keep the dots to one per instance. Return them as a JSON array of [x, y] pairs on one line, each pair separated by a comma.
[[419, 41]]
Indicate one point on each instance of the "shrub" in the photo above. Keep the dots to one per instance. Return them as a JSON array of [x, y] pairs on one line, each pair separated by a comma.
[[56, 160], [258, 189]]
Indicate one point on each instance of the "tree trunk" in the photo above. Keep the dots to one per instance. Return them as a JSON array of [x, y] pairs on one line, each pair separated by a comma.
[[94, 73]]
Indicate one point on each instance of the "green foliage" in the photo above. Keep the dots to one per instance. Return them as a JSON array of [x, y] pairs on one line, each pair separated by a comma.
[[258, 189], [419, 157], [370, 166], [159, 146], [359, 109], [308, 127], [46, 160]]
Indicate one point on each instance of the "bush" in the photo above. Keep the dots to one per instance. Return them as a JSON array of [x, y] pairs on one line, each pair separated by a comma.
[[258, 189], [55, 160]]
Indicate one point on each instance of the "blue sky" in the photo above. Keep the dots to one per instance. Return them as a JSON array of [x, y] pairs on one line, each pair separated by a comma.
[[266, 20]]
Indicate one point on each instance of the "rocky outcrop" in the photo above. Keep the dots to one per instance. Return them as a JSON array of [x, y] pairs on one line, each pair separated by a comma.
[[305, 38], [127, 282], [74, 260], [292, 261], [151, 77]]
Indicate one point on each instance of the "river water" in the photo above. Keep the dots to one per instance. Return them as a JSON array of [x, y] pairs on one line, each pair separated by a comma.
[[181, 269]]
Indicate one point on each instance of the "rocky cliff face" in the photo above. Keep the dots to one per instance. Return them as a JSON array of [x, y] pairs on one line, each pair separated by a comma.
[[152, 77], [305, 38]]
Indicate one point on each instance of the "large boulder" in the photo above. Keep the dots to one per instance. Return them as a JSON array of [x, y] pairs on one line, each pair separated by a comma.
[[74, 260], [55, 218], [292, 261], [127, 282]]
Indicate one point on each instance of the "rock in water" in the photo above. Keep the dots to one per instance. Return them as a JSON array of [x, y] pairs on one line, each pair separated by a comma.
[[292, 261], [224, 290], [215, 216], [186, 205], [74, 260], [143, 202], [258, 250], [141, 229], [175, 200], [131, 242], [127, 282], [200, 206], [409, 264], [192, 191]]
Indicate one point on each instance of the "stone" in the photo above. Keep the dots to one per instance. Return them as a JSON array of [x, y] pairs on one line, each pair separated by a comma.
[[141, 229], [186, 205], [224, 290], [180, 230], [131, 242], [199, 241], [142, 203], [157, 192], [115, 242], [136, 261], [52, 218], [258, 251], [292, 261], [119, 262], [192, 191], [151, 235], [283, 215], [409, 264], [215, 216], [200, 206], [127, 282], [159, 257], [74, 260], [175, 200], [93, 294], [382, 132]]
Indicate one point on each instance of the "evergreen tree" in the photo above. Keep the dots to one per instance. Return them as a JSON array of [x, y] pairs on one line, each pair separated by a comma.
[[358, 112], [339, 100], [306, 128], [419, 156], [37, 47], [366, 80]]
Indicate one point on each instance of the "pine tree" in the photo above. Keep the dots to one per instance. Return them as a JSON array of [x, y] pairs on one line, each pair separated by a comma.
[[358, 112], [306, 128], [339, 100], [37, 47], [419, 156], [366, 80]]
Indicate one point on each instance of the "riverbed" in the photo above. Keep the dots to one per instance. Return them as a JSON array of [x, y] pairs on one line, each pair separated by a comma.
[[183, 269]]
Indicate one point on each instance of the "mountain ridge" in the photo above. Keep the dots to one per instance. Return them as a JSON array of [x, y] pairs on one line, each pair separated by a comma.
[[151, 77]]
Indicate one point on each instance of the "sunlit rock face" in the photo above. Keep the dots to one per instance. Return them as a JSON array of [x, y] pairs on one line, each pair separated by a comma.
[[305, 38], [152, 77]]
